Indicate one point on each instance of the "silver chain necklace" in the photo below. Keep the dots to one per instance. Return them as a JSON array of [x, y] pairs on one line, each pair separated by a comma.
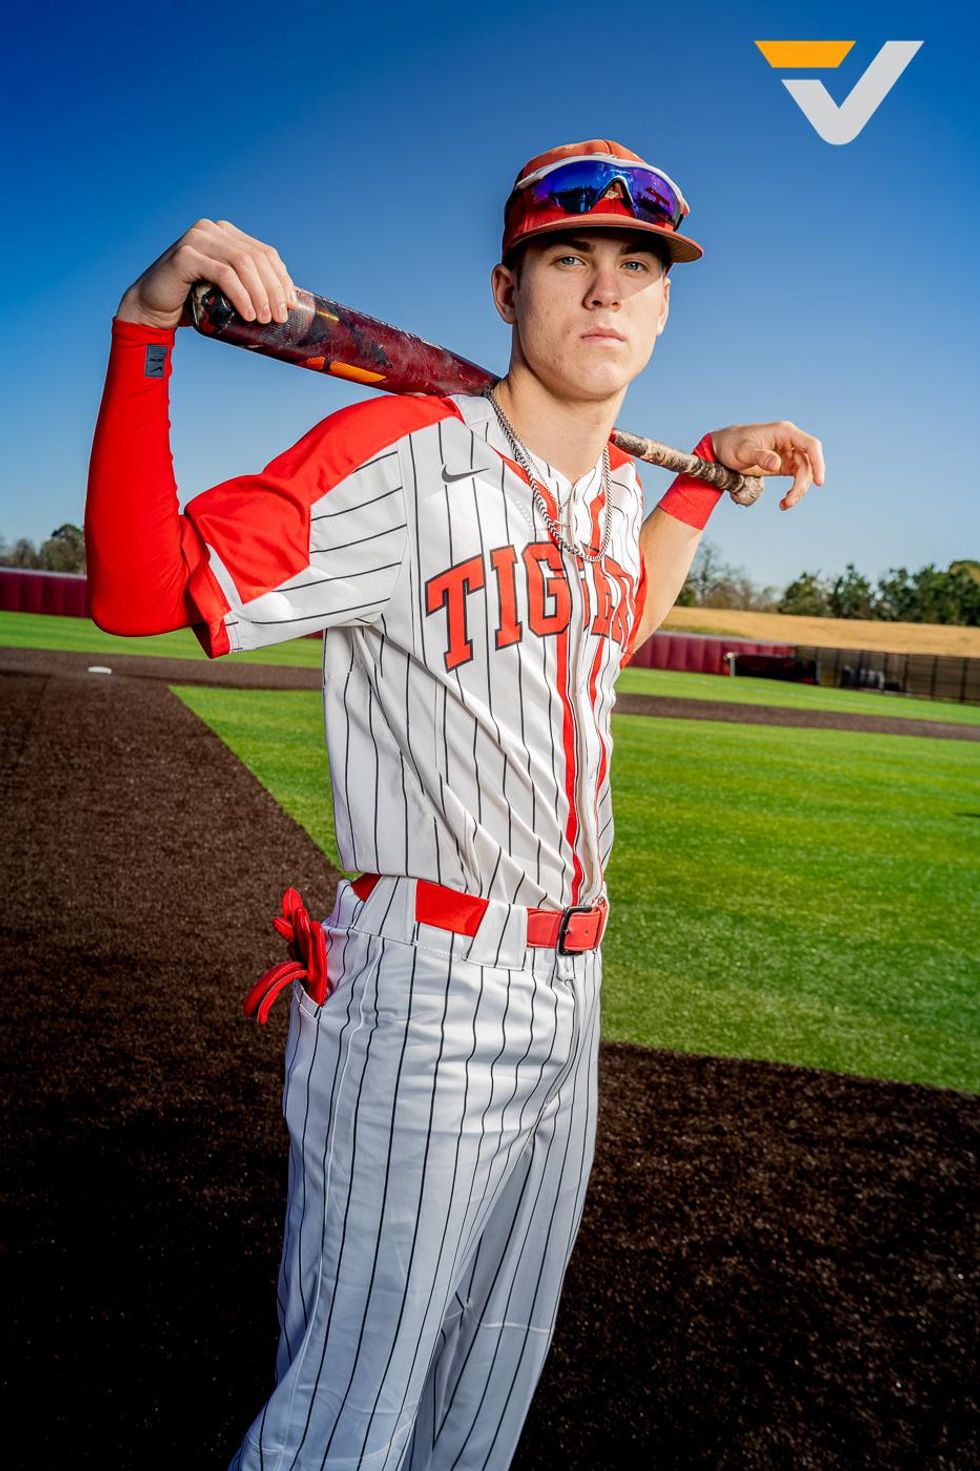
[[523, 459]]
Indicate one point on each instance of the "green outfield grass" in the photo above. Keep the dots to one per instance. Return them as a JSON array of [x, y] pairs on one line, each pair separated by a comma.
[[803, 896], [80, 635], [44, 631], [791, 696]]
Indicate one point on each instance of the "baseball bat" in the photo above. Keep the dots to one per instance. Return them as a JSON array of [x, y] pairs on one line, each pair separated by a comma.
[[326, 337]]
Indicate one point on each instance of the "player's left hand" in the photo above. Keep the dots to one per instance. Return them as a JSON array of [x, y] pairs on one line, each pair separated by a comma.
[[780, 448]]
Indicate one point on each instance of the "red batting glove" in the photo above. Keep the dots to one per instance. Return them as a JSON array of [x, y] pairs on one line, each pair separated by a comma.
[[308, 948]]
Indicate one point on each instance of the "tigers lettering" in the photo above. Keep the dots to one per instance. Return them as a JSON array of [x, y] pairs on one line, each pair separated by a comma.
[[533, 584]]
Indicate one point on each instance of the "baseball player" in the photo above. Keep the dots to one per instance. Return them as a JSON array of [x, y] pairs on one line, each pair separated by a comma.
[[481, 569]]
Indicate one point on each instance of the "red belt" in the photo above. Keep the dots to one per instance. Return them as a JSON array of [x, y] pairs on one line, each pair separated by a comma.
[[569, 931]]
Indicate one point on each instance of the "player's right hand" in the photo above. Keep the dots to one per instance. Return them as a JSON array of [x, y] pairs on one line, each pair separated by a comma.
[[249, 273]]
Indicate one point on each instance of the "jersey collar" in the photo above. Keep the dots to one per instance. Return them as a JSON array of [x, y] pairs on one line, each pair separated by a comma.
[[477, 414]]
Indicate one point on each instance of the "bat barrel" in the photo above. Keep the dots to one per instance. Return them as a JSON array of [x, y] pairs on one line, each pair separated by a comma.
[[326, 337]]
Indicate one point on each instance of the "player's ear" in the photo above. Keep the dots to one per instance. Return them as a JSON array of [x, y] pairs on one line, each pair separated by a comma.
[[503, 285], [665, 305]]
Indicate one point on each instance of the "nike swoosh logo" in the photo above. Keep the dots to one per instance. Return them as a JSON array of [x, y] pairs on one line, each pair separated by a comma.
[[449, 475]]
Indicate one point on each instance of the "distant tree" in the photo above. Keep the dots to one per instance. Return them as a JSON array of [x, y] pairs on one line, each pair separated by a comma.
[[926, 596], [895, 598], [968, 585], [767, 599], [945, 597], [929, 595], [936, 599], [733, 588], [807, 595], [713, 583], [706, 570], [850, 595], [23, 553], [726, 591], [64, 550]]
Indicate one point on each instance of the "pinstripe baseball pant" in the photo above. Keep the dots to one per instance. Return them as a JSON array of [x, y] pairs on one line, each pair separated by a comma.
[[441, 1110]]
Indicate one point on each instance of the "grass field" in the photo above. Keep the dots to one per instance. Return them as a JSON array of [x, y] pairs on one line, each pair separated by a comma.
[[80, 635], [828, 633], [776, 692], [43, 631], [802, 896]]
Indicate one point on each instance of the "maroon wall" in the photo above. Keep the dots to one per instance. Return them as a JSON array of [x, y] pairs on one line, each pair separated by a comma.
[[697, 653], [23, 591]]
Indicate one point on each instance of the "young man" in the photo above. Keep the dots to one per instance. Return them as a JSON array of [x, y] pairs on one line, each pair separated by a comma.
[[482, 570]]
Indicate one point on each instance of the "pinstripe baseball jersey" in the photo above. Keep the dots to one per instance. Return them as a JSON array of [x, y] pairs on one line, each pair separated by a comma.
[[469, 662]]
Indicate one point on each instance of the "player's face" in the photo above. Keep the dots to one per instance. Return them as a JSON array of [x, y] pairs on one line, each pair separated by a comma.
[[587, 310]]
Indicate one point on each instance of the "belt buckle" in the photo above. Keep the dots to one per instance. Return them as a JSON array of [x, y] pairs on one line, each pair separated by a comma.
[[565, 920]]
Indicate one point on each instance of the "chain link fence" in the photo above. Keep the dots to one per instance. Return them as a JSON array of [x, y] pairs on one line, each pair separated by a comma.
[[934, 676]]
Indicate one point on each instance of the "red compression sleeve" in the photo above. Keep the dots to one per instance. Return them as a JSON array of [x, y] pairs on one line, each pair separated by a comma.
[[144, 559], [688, 499]]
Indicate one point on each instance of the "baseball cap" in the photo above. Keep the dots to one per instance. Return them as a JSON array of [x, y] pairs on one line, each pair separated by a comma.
[[596, 184]]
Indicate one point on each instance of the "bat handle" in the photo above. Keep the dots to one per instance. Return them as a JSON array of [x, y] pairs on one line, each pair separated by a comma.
[[744, 490]]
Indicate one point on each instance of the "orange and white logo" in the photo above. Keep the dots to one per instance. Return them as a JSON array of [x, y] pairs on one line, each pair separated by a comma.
[[838, 123]]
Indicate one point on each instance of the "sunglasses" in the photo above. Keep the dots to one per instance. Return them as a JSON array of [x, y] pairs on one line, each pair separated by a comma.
[[576, 186]]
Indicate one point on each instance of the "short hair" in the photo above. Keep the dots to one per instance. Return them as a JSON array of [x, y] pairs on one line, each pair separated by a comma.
[[513, 259]]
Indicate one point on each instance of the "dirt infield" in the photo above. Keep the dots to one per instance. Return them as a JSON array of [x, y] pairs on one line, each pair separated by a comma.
[[728, 710], [776, 1268], [236, 674]]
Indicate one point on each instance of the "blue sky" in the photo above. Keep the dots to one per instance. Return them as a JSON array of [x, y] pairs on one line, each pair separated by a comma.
[[373, 146]]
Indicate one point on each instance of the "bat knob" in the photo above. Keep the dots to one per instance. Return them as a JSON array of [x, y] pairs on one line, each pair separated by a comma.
[[748, 491], [210, 308]]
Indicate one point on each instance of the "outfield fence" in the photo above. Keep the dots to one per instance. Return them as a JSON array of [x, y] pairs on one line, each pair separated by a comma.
[[934, 676], [23, 590]]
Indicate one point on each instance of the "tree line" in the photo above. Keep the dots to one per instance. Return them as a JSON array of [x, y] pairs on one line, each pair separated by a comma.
[[64, 551], [929, 595]]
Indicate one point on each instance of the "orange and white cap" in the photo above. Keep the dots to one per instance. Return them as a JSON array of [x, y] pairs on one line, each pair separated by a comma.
[[611, 188]]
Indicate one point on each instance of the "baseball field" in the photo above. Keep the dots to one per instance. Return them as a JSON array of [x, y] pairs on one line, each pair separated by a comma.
[[801, 895], [776, 1265]]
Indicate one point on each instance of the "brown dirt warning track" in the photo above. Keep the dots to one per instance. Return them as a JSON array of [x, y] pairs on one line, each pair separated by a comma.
[[776, 1267]]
